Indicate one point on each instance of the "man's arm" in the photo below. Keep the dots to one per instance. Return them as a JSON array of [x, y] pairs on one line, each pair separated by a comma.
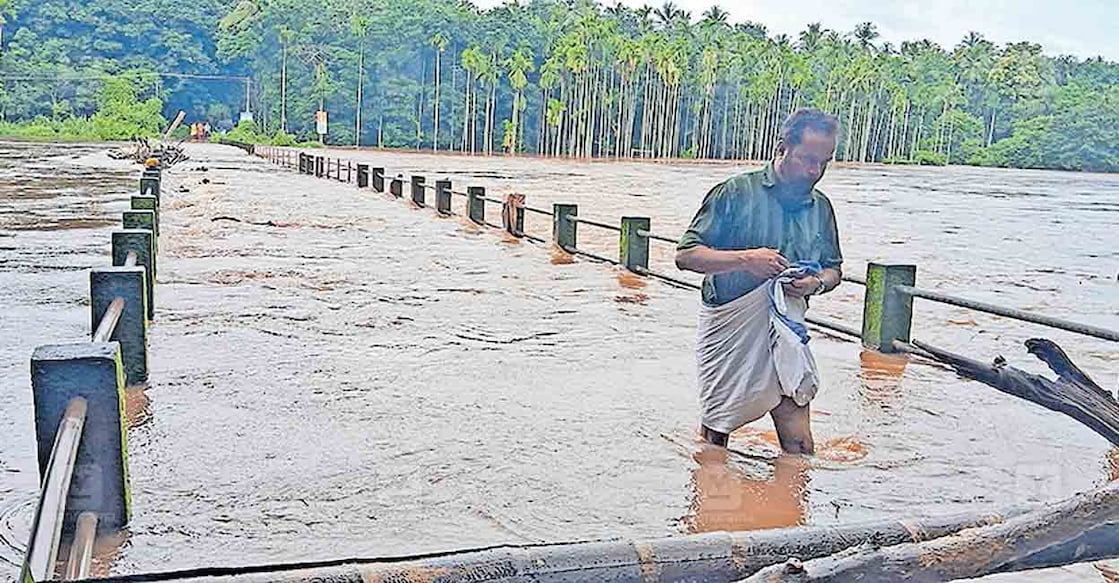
[[697, 248], [763, 263]]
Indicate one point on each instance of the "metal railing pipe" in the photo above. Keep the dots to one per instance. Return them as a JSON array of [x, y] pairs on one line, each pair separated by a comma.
[[1050, 321], [81, 549], [593, 223], [46, 529], [109, 321], [652, 235]]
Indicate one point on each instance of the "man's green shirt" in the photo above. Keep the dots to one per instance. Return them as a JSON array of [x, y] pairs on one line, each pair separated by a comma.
[[746, 212]]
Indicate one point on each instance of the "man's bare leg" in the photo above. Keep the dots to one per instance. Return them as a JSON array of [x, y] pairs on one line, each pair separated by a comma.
[[714, 437], [794, 428]]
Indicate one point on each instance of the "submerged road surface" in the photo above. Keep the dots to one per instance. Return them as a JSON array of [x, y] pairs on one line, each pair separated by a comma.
[[336, 373]]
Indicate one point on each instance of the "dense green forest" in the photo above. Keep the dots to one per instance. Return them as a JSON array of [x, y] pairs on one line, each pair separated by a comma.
[[560, 78]]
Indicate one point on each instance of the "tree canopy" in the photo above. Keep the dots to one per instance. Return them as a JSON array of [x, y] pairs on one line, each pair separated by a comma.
[[565, 78]]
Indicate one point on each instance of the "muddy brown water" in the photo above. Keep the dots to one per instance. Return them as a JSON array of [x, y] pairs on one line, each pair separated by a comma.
[[361, 378]]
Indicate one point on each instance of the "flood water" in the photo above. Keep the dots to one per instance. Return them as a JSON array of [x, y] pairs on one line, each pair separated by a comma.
[[335, 373]]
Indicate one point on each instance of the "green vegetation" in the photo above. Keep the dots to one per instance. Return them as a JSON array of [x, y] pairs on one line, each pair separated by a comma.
[[120, 115], [564, 78], [250, 133]]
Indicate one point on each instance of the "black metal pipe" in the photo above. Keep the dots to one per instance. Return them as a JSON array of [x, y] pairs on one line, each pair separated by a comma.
[[834, 326], [651, 235], [716, 556], [579, 219], [668, 278], [1050, 321], [537, 211], [595, 257]]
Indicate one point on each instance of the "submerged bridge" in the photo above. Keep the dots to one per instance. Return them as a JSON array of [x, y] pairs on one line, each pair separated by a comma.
[[82, 433]]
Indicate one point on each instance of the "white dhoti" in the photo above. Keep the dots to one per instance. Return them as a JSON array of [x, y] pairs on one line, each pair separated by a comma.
[[750, 355]]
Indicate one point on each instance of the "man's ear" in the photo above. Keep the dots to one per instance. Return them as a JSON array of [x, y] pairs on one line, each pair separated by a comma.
[[779, 149]]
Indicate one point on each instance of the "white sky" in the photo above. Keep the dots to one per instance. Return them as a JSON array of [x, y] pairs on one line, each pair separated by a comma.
[[1084, 28]]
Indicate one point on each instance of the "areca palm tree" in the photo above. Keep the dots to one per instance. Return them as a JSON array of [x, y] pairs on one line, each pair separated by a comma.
[[810, 37], [715, 16], [669, 14], [359, 26], [473, 61], [518, 64], [620, 81], [439, 42], [865, 33]]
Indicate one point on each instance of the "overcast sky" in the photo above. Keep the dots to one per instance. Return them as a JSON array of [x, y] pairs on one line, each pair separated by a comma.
[[1085, 28]]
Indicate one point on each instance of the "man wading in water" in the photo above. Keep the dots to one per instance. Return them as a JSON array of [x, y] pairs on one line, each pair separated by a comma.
[[764, 240]]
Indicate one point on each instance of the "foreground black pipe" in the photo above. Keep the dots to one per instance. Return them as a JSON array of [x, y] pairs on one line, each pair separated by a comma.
[[711, 557]]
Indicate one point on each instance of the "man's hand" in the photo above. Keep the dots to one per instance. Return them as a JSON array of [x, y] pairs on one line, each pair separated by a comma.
[[762, 263], [802, 287]]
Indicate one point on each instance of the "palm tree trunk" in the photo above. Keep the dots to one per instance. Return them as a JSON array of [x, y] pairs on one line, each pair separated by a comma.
[[454, 83], [850, 130], [633, 122], [284, 88], [466, 111], [435, 128], [357, 108], [420, 105], [991, 132], [491, 109], [868, 127], [905, 127], [647, 108]]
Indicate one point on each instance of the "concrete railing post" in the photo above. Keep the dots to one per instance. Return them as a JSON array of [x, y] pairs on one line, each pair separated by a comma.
[[378, 179], [418, 190], [150, 179], [887, 314], [130, 284], [93, 371], [363, 175], [144, 220], [633, 244], [138, 220], [564, 231], [476, 204], [443, 196], [149, 184], [396, 187], [140, 241], [147, 203], [320, 166]]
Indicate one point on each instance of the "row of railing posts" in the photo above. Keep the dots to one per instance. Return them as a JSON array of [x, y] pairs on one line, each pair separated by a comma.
[[890, 288], [79, 400]]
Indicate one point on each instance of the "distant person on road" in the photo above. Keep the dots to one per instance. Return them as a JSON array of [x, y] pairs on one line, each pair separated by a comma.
[[765, 241]]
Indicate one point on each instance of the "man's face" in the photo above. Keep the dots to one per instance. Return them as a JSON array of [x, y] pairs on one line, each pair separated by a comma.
[[803, 165]]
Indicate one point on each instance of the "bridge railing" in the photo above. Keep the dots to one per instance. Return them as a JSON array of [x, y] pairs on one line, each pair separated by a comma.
[[887, 303], [78, 390]]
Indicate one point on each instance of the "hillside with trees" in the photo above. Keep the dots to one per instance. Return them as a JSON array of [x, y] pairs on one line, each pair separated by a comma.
[[560, 78]]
